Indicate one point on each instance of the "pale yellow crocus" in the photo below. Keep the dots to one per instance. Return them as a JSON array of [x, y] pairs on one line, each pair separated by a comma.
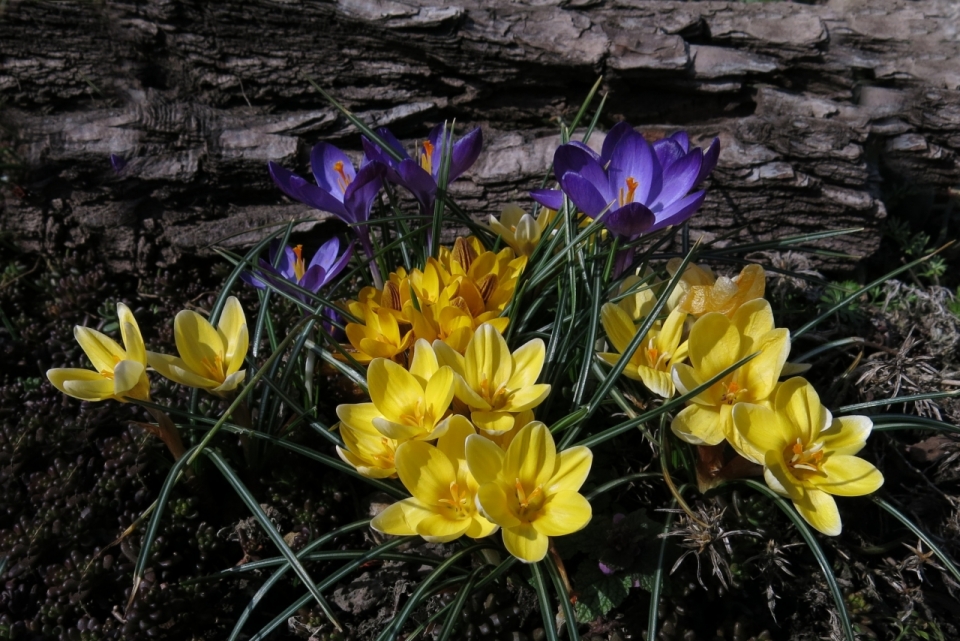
[[411, 405], [210, 358], [531, 491], [716, 343], [518, 229], [693, 276], [652, 362], [120, 372], [806, 453], [493, 383], [443, 503], [371, 453], [726, 295]]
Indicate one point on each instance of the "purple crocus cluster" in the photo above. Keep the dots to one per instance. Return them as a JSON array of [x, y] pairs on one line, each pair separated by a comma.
[[637, 187]]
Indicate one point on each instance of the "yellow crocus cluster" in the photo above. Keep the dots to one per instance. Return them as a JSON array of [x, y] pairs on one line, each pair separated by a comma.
[[458, 431], [806, 454], [453, 295]]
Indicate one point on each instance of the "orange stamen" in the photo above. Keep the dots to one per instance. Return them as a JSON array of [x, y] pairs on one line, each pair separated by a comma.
[[632, 185], [426, 158], [343, 181], [298, 267]]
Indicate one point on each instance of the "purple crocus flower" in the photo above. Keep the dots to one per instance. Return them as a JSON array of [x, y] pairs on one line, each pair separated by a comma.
[[641, 187], [419, 176], [341, 190], [291, 268]]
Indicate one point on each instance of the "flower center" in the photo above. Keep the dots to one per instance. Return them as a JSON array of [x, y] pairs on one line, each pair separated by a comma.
[[426, 158], [385, 458], [343, 181], [531, 503], [627, 197], [458, 505], [496, 397], [214, 369], [658, 360], [298, 268], [732, 392], [415, 418], [808, 459]]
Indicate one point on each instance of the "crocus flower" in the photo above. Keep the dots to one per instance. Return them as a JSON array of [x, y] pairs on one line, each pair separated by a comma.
[[717, 342], [531, 490], [291, 268], [411, 405], [642, 188], [210, 358], [367, 450], [653, 359], [119, 371], [419, 176], [443, 505], [493, 383], [807, 455], [519, 229], [341, 190], [725, 295]]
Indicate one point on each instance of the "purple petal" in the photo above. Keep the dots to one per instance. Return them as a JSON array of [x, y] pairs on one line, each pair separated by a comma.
[[361, 193], [606, 569], [584, 194], [680, 178], [327, 254], [629, 221], [682, 139], [299, 189], [418, 182], [284, 266], [710, 157], [437, 138], [679, 211], [250, 279], [668, 152], [633, 158], [313, 279], [334, 270], [549, 198], [325, 159], [617, 132], [465, 153], [573, 157], [375, 152]]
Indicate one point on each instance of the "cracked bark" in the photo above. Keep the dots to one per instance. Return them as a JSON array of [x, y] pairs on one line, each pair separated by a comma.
[[815, 106]]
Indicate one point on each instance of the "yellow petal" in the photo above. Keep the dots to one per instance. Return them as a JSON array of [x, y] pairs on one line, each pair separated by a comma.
[[760, 430], [493, 422], [754, 319], [484, 459], [130, 332], [126, 376], [401, 518], [699, 425], [820, 511], [393, 389], [84, 384], [563, 513], [176, 370], [447, 356], [437, 528], [525, 543], [481, 527], [526, 398], [799, 402], [527, 235], [531, 457], [425, 471], [847, 476], [439, 393], [527, 363], [233, 332], [103, 351], [487, 359], [668, 340], [463, 391], [359, 416], [760, 374], [424, 363], [199, 345], [454, 441], [618, 325], [774, 463], [658, 382], [714, 345], [399, 431], [847, 434], [573, 466], [230, 383], [495, 505]]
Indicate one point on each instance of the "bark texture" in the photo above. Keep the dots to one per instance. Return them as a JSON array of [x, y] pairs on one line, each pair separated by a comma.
[[815, 105]]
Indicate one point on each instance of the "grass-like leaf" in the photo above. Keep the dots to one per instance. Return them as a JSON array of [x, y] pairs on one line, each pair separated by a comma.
[[657, 586], [896, 400], [546, 610], [462, 595], [811, 541], [629, 478], [924, 536], [891, 422], [569, 615]]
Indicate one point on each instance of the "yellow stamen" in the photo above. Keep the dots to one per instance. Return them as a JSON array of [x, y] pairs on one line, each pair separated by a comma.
[[426, 158], [298, 268], [732, 392], [458, 501], [343, 181], [808, 459]]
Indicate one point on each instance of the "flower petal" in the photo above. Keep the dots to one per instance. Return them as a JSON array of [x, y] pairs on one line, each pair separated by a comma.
[[585, 195], [633, 157], [438, 394], [760, 431], [493, 504], [493, 423], [425, 471], [126, 376], [525, 543], [437, 528], [714, 345], [531, 457], [199, 345], [453, 443], [484, 458], [710, 157], [401, 518], [465, 153], [679, 211], [563, 513], [332, 169], [527, 363], [680, 177], [174, 369], [847, 434], [359, 416], [753, 318], [130, 332], [526, 398], [573, 466], [761, 373], [629, 221], [103, 351], [698, 425], [799, 402], [847, 476], [549, 198], [232, 328], [84, 384], [488, 360], [618, 325], [424, 364], [481, 527], [820, 511], [393, 389]]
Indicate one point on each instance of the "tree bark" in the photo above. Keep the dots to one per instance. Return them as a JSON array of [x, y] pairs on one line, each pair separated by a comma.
[[816, 106]]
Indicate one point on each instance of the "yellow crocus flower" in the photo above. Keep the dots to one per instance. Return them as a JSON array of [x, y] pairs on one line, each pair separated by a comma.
[[726, 295], [119, 371], [519, 229], [411, 405], [717, 342], [443, 505], [366, 449], [530, 491], [209, 358], [493, 383], [807, 455], [660, 349], [380, 337], [693, 276]]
